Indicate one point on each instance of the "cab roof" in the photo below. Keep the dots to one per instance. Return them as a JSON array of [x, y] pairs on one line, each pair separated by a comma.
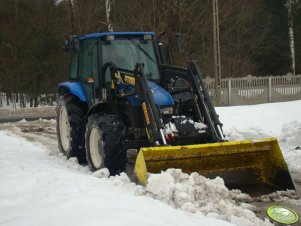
[[120, 34]]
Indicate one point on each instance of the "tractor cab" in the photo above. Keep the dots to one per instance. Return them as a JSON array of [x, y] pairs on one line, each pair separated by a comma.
[[90, 54], [126, 51]]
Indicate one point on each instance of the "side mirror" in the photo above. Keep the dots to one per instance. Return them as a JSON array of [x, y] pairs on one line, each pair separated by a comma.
[[158, 39], [180, 42], [164, 53]]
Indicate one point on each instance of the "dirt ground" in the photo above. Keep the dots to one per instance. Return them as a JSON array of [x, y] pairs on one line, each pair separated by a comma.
[[27, 112]]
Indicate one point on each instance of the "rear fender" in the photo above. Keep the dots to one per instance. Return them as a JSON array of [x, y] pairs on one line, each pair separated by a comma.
[[101, 108], [75, 88]]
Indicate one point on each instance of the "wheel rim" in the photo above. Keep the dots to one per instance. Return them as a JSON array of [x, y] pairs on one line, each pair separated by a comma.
[[64, 128], [95, 148]]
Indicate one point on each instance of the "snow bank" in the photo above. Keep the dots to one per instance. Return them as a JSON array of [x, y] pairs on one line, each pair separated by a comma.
[[45, 190], [290, 142], [279, 196], [197, 194], [41, 189], [265, 118]]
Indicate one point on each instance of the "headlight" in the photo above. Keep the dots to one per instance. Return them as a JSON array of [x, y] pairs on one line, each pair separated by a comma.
[[166, 110]]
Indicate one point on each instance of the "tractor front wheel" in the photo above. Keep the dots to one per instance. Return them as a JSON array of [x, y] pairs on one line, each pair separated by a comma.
[[70, 127], [104, 142]]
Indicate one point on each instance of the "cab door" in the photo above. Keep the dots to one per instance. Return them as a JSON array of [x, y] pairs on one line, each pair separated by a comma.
[[88, 69]]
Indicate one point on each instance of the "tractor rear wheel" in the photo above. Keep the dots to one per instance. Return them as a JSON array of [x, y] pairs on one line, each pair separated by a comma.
[[105, 136], [70, 127]]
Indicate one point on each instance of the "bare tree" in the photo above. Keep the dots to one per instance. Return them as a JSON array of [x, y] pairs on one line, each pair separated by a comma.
[[244, 31], [291, 4]]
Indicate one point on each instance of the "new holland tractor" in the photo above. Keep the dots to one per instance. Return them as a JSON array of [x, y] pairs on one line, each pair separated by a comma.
[[124, 95]]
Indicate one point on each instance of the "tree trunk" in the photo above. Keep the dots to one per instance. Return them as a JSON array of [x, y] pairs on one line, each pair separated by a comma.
[[290, 6], [71, 10]]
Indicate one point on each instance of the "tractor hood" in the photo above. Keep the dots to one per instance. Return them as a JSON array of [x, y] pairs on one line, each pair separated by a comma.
[[161, 96]]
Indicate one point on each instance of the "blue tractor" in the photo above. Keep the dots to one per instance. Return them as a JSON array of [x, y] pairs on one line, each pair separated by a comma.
[[123, 94]]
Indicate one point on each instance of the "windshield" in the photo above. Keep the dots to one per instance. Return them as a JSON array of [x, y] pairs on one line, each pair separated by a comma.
[[126, 53]]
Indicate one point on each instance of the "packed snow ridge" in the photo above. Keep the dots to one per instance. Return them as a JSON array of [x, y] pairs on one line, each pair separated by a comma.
[[195, 194]]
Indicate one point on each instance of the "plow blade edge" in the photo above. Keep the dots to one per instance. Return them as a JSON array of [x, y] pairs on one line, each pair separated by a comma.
[[256, 167]]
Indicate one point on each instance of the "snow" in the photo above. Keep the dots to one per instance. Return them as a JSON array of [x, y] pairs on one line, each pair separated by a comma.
[[197, 194], [261, 119], [171, 126], [40, 187]]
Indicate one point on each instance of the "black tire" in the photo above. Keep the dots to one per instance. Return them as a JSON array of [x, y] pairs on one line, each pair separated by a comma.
[[104, 141], [70, 127]]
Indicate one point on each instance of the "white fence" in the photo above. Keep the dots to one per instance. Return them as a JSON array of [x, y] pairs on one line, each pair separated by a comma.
[[257, 90], [235, 91]]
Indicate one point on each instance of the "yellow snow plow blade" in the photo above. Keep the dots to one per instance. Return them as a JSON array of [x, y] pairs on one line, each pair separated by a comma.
[[256, 167]]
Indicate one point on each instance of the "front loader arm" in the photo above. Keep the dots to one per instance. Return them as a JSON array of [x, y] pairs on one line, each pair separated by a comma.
[[152, 118], [202, 101]]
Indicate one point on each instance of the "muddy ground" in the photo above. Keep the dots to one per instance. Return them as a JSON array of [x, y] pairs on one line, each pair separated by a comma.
[[26, 112]]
